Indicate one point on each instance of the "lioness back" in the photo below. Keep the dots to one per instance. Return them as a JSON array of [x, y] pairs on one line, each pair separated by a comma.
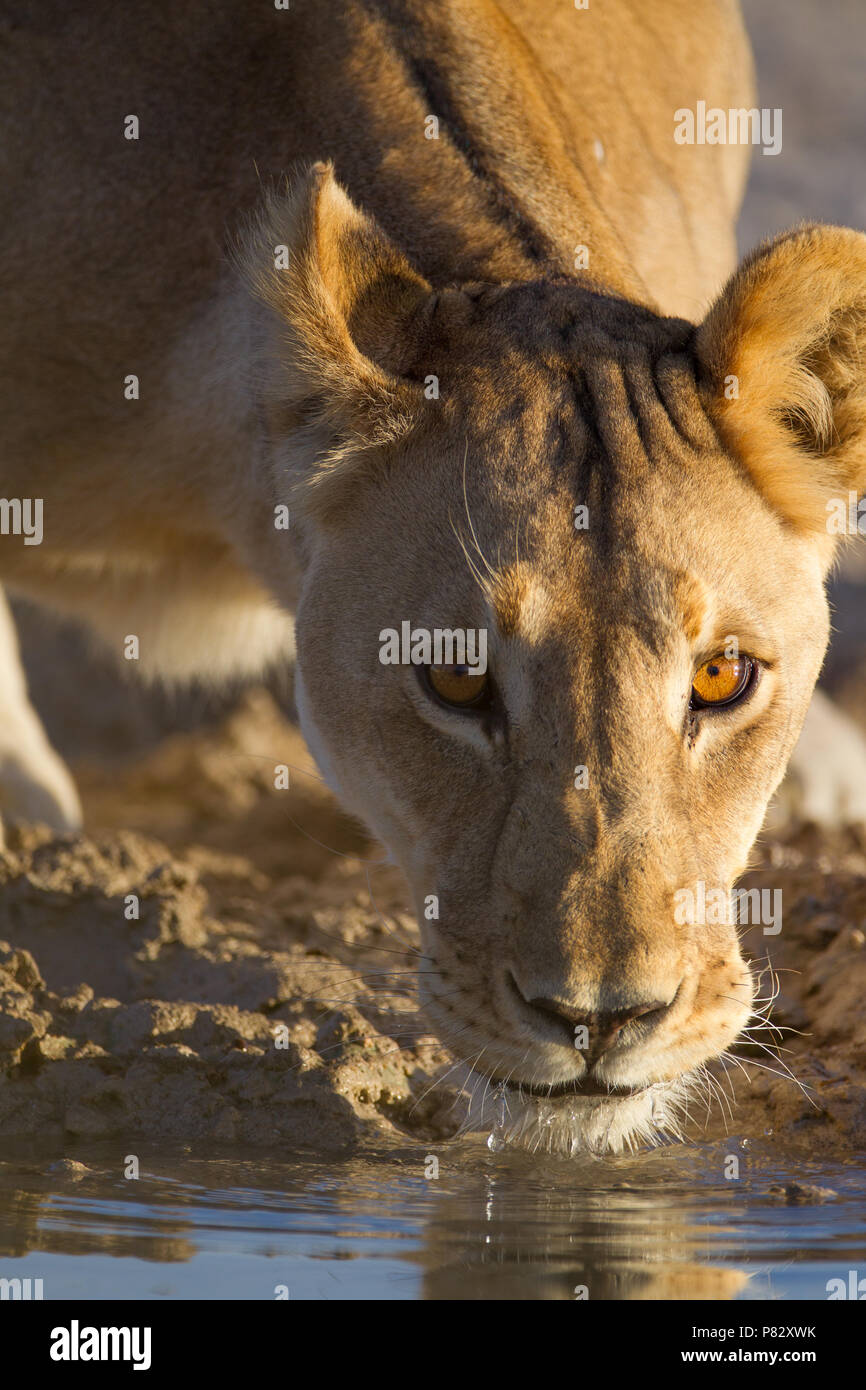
[[112, 248]]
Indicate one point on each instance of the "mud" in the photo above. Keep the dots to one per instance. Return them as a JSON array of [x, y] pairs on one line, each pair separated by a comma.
[[230, 980]]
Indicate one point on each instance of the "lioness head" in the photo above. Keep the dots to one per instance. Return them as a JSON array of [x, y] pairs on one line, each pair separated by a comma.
[[633, 510]]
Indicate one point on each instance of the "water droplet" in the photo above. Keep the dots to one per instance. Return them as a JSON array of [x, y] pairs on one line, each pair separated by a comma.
[[496, 1139]]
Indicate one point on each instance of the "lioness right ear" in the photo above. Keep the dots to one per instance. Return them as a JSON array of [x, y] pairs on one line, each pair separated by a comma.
[[782, 354], [350, 315]]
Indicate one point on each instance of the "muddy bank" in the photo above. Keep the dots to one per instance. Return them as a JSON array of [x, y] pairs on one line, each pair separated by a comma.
[[235, 965], [231, 980]]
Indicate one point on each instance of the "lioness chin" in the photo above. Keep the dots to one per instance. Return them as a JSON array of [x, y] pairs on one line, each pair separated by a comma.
[[490, 372]]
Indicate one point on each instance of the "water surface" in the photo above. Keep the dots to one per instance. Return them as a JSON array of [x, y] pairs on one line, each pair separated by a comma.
[[492, 1225]]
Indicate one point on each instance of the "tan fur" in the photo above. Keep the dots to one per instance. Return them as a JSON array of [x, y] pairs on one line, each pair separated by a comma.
[[790, 330], [450, 261]]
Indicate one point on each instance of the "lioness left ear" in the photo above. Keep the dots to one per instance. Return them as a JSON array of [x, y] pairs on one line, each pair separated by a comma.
[[782, 357], [348, 314]]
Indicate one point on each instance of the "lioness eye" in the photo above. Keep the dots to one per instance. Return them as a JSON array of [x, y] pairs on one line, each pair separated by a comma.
[[721, 681], [461, 686]]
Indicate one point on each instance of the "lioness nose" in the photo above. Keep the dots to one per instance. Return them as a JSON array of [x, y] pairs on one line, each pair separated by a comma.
[[602, 1027]]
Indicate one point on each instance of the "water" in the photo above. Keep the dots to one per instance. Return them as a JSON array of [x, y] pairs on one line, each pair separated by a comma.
[[492, 1225], [495, 1140]]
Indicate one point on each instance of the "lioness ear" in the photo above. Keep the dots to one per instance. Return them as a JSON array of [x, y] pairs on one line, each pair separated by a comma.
[[350, 313], [782, 354]]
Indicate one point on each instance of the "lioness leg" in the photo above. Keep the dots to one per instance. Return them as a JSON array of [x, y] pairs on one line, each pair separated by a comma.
[[34, 783]]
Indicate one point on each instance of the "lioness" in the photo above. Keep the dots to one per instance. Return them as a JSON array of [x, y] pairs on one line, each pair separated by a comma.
[[490, 368]]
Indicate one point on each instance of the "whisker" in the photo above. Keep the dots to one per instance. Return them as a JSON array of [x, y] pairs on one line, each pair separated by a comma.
[[481, 555]]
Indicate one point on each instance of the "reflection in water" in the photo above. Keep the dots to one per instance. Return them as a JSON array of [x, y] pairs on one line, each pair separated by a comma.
[[490, 1226], [561, 1242]]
